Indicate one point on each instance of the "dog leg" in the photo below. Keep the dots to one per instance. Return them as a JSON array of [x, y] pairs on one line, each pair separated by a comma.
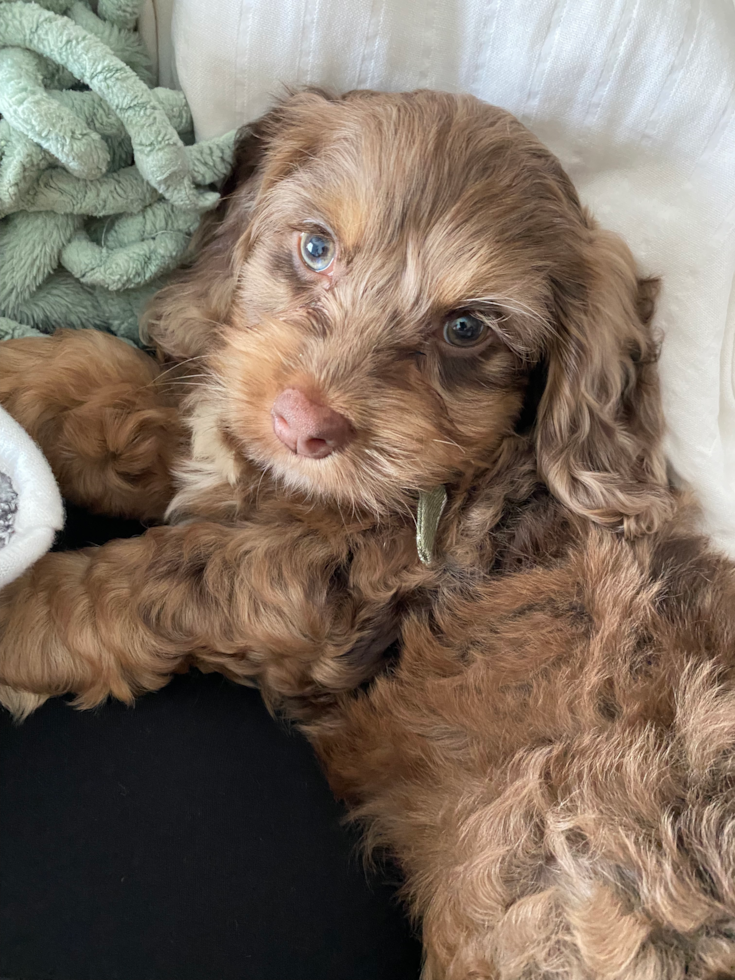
[[105, 424], [120, 619]]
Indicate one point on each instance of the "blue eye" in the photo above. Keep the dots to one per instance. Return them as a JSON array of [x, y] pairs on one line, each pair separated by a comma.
[[464, 330], [317, 250]]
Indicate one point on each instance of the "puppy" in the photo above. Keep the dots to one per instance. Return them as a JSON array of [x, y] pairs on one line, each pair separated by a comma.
[[399, 294]]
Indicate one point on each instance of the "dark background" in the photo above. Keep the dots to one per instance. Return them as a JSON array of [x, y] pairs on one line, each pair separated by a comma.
[[190, 837]]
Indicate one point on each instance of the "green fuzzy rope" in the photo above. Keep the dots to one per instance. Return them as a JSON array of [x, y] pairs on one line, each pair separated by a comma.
[[100, 189]]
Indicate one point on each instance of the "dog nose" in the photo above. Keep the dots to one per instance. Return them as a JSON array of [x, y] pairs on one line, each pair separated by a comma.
[[306, 428]]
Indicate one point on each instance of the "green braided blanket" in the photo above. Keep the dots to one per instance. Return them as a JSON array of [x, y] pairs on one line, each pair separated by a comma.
[[101, 185]]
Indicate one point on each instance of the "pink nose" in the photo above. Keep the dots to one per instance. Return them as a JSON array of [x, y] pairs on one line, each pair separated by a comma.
[[306, 428]]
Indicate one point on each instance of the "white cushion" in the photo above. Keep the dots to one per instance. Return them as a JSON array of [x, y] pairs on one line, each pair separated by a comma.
[[636, 96]]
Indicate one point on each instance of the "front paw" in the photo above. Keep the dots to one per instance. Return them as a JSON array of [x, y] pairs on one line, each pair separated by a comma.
[[33, 661], [20, 704]]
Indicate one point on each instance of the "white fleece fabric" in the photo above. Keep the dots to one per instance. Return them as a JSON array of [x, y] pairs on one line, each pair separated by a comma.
[[39, 513], [637, 97]]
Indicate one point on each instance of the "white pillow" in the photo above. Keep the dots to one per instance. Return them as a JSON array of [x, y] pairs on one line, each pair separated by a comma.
[[637, 97]]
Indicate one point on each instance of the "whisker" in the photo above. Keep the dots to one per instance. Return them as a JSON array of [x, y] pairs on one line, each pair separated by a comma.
[[175, 367], [204, 384], [257, 489]]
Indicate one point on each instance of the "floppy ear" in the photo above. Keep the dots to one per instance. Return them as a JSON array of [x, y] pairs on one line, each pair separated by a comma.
[[600, 424], [182, 317]]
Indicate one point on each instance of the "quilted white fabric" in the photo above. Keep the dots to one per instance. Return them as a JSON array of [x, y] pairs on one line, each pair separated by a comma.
[[39, 513], [636, 96]]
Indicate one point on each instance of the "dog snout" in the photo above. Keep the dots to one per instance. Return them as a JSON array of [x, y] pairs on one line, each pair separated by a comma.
[[308, 429]]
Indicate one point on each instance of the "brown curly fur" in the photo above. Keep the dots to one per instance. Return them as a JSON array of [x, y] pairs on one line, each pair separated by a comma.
[[552, 755]]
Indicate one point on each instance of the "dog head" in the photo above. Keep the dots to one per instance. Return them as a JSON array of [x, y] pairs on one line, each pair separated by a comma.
[[380, 280]]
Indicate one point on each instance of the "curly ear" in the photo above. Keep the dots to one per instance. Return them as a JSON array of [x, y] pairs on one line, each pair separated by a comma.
[[600, 423], [181, 317]]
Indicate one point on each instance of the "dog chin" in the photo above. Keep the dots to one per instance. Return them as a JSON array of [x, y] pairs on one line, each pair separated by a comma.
[[329, 481], [315, 478]]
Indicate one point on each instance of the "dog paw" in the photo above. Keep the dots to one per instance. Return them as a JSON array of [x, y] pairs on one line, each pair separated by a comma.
[[20, 704]]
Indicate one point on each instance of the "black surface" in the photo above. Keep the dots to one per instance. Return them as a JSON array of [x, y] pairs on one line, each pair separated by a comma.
[[191, 837]]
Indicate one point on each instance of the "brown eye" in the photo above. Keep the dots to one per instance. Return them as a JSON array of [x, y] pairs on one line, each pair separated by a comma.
[[464, 330], [317, 250]]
